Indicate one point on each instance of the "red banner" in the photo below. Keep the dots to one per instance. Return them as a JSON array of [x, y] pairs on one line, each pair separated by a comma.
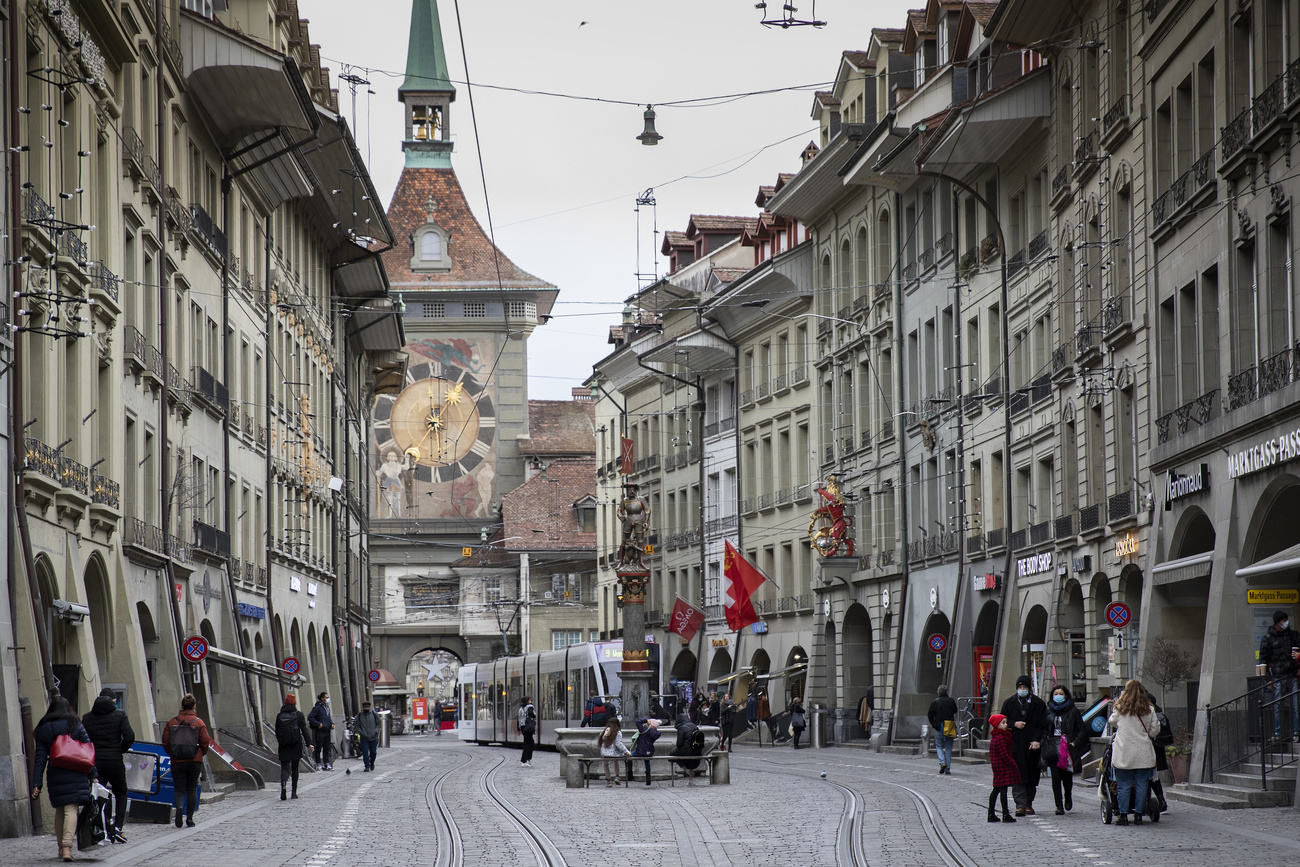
[[627, 468], [686, 619], [739, 581]]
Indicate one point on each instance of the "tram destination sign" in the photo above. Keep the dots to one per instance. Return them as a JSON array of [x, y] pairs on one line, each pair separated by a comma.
[[1269, 453]]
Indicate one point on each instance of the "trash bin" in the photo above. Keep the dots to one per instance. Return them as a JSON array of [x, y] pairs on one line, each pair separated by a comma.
[[817, 731], [385, 727]]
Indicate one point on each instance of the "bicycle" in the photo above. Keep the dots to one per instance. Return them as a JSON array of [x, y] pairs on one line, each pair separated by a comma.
[[350, 744], [968, 724]]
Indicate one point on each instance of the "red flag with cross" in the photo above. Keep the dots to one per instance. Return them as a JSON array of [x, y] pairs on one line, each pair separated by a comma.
[[740, 580]]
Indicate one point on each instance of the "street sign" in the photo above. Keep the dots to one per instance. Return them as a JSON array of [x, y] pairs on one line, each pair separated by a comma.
[[938, 643], [374, 675], [291, 664], [195, 648], [1118, 615], [466, 552]]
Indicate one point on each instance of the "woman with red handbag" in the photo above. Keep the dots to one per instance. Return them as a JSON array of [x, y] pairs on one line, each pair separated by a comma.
[[63, 746]]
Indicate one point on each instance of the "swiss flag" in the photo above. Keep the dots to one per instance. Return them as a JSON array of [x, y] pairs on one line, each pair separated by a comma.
[[739, 582], [686, 619]]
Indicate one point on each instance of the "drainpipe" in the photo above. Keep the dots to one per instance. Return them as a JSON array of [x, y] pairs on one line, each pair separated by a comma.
[[268, 325], [902, 462]]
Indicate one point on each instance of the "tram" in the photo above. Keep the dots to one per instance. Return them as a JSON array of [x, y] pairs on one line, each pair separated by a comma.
[[557, 681]]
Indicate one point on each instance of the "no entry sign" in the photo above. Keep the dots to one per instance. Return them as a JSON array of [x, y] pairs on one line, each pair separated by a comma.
[[195, 648], [1118, 615], [938, 643], [291, 664]]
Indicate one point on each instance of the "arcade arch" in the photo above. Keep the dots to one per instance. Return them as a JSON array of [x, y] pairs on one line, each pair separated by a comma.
[[928, 674], [858, 662]]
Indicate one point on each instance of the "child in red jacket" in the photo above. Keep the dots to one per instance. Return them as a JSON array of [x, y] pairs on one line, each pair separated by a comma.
[[1005, 771]]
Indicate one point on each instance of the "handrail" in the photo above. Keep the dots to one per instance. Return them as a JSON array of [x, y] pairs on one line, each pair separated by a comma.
[[1239, 729]]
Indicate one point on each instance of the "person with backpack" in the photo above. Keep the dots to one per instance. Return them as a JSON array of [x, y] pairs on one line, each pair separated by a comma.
[[291, 737], [110, 732], [322, 723], [643, 744], [690, 742], [798, 720], [367, 728], [527, 723], [943, 722], [595, 713], [68, 787], [610, 742], [728, 719], [185, 738]]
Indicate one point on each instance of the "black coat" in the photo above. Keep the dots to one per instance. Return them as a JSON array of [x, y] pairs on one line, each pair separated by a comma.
[[1033, 711], [1275, 651], [944, 707], [293, 752], [109, 731], [1069, 721], [320, 717], [62, 786]]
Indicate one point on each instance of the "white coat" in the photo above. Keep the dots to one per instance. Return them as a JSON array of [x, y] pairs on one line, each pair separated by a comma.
[[1131, 747]]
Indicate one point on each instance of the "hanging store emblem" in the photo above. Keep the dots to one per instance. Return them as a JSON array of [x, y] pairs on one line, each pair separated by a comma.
[[987, 581], [1127, 546], [1034, 565], [1177, 487], [1270, 452]]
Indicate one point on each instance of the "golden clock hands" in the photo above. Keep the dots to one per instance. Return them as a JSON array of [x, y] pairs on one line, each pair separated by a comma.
[[453, 396]]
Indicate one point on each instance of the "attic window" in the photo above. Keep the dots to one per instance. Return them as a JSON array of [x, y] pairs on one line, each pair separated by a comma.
[[587, 519], [430, 247], [474, 310]]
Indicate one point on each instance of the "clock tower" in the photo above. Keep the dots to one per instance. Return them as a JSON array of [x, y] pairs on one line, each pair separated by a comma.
[[444, 449]]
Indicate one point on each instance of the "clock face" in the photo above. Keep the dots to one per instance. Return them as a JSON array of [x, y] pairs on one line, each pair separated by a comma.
[[441, 425]]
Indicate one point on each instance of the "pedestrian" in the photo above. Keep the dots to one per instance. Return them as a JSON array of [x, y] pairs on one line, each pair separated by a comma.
[[763, 713], [647, 732], [610, 742], [943, 720], [657, 708], [751, 711], [67, 788], [292, 737], [865, 705], [527, 724], [1164, 739], [367, 728], [798, 721], [728, 718], [1026, 715], [713, 714], [1067, 741], [110, 732], [185, 738], [321, 723], [1279, 649], [690, 743], [437, 717], [1132, 756], [594, 713], [1005, 770]]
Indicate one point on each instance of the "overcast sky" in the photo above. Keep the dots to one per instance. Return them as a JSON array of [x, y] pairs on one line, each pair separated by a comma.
[[563, 174]]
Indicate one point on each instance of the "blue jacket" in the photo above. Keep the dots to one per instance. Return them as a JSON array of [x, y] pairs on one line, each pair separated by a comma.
[[63, 787], [319, 718], [645, 742]]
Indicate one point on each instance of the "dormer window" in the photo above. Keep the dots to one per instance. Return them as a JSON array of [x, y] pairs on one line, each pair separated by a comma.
[[431, 247], [429, 244]]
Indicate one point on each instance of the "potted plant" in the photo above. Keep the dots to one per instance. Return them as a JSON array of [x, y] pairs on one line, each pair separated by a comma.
[[1179, 754]]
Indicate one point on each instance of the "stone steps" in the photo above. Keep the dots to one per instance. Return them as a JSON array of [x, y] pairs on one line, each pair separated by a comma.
[[1277, 781], [972, 757], [1224, 797]]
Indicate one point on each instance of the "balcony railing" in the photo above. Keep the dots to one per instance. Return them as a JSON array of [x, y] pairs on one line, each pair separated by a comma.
[[1061, 181], [1018, 540], [105, 491], [760, 391], [1038, 246], [996, 537], [975, 543], [1016, 264], [171, 46], [1153, 8], [208, 231], [1120, 506], [1040, 532], [40, 458], [1085, 150], [1275, 372], [746, 397], [1268, 105], [1188, 183], [142, 535], [824, 328], [945, 244], [1061, 358], [1041, 388], [1090, 518], [1114, 314], [1242, 388], [1116, 113], [881, 293], [73, 247], [74, 475], [1019, 401], [829, 454], [799, 375], [779, 382], [1236, 135], [1200, 411], [1293, 82], [210, 539], [104, 281], [1064, 528], [909, 272], [866, 439], [887, 430]]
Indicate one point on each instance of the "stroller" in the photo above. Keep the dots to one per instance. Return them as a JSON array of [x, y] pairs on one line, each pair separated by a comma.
[[1108, 792]]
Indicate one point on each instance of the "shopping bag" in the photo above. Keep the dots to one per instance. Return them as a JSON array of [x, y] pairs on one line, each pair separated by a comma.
[[71, 754], [92, 820]]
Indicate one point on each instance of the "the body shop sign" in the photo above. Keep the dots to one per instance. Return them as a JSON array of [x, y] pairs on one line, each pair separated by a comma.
[[1271, 452], [1035, 565]]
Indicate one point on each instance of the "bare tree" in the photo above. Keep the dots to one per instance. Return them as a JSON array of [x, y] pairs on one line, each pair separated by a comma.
[[1166, 663]]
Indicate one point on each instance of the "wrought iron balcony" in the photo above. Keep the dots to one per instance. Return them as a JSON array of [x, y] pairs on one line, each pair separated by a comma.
[[104, 281], [1199, 411], [1090, 518], [861, 303], [1061, 181], [74, 475], [1019, 400], [824, 328], [1153, 8], [1085, 150], [105, 491], [1120, 506], [73, 247], [828, 455], [1115, 114], [171, 46], [945, 244], [760, 391], [1018, 540], [1016, 264], [968, 263], [885, 557], [1275, 372], [1060, 358], [1114, 314], [1041, 388], [909, 272], [208, 231], [1242, 388], [1266, 107], [996, 537], [779, 383], [1188, 183], [783, 497], [866, 439], [210, 539], [35, 209], [746, 397], [1040, 532], [975, 543], [799, 375], [926, 258], [1038, 246], [1064, 527], [881, 293], [887, 429], [40, 458], [1236, 135], [142, 535]]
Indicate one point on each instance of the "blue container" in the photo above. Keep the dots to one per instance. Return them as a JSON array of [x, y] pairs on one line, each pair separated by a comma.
[[149, 778]]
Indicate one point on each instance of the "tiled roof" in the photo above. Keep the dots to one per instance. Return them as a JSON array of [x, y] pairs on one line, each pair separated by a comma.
[[860, 59], [916, 19], [676, 239], [727, 275], [560, 428], [982, 12], [714, 223], [471, 252], [491, 554], [826, 98], [764, 193], [541, 511], [888, 34]]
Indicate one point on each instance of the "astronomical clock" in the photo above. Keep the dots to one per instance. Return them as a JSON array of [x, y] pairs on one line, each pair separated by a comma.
[[441, 426]]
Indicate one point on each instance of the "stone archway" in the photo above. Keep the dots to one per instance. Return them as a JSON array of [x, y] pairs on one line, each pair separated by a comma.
[[830, 664], [760, 662], [1072, 624], [796, 683], [1033, 640], [720, 665], [930, 674], [99, 599], [858, 661], [1273, 527], [984, 649], [432, 672]]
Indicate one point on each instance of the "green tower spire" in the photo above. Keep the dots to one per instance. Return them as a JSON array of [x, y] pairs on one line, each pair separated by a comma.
[[426, 60]]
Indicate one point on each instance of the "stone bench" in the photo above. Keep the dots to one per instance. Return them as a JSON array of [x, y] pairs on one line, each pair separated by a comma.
[[717, 765], [580, 743]]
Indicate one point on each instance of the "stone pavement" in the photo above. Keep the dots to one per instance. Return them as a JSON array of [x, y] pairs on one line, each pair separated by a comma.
[[777, 811]]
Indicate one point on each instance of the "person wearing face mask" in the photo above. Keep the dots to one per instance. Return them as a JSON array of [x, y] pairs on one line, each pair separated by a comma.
[[1278, 651], [1067, 741], [322, 723], [1026, 716]]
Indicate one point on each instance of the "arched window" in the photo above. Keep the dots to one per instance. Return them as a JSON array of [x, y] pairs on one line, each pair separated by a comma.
[[430, 247]]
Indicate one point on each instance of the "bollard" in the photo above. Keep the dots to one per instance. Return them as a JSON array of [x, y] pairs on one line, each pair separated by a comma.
[[385, 727], [720, 773], [574, 775]]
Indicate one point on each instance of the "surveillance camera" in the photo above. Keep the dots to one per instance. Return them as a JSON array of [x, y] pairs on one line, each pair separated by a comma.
[[71, 611]]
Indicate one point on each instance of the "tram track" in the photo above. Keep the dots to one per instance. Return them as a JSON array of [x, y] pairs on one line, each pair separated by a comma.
[[451, 845]]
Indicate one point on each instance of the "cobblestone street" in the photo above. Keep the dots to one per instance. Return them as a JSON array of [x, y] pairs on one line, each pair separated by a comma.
[[778, 810]]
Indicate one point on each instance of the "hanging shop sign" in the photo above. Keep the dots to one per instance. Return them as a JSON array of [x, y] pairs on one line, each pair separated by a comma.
[[245, 609], [1082, 563], [1035, 564], [1271, 452], [987, 581], [1127, 546], [1177, 487], [721, 642], [1280, 596]]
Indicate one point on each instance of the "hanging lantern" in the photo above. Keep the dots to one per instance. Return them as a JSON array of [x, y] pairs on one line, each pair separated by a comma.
[[649, 136]]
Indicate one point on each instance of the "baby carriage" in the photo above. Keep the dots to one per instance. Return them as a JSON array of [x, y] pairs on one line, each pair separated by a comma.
[[1108, 792]]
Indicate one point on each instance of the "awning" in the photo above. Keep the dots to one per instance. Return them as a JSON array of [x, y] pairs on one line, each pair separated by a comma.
[[378, 326], [255, 667], [338, 166], [697, 352], [996, 121], [746, 672], [792, 671], [361, 278], [1184, 569], [1287, 560], [255, 102]]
